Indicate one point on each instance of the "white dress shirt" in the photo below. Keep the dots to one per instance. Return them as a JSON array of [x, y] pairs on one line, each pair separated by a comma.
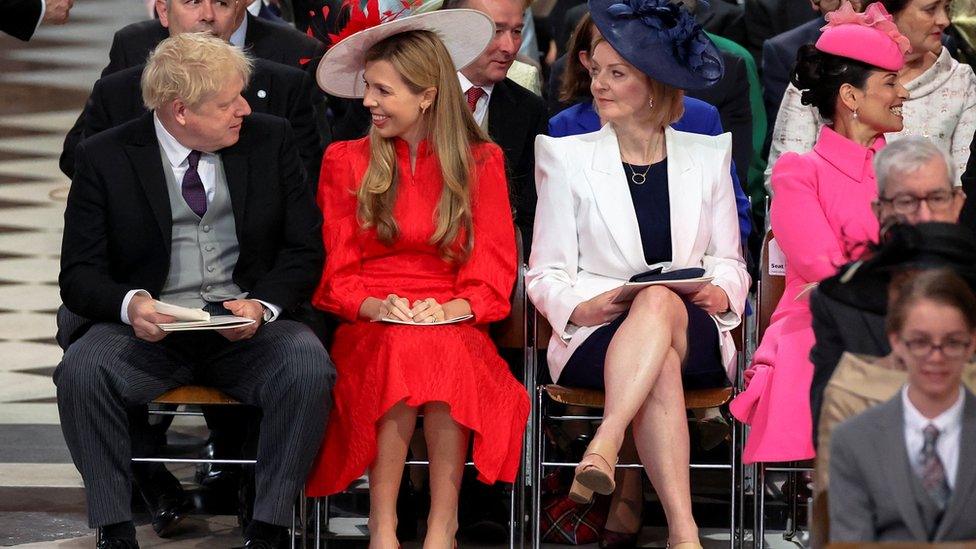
[[240, 34], [949, 424], [177, 155], [481, 107]]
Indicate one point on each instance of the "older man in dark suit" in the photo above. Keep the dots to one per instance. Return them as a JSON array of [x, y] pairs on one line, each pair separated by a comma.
[[512, 115], [277, 86], [279, 43], [199, 205]]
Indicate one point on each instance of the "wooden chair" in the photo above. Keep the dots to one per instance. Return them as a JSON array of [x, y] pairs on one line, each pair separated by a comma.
[[589, 398], [770, 289]]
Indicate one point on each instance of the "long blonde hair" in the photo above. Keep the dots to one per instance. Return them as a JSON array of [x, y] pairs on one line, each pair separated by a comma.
[[423, 62]]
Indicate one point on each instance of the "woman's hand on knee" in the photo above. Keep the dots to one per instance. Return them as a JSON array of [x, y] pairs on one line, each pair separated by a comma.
[[598, 310], [712, 299]]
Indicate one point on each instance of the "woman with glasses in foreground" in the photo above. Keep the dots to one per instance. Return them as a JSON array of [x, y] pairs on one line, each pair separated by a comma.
[[902, 471]]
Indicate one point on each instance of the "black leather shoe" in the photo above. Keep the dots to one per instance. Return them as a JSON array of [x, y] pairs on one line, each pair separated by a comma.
[[164, 497], [168, 514], [116, 543], [261, 535]]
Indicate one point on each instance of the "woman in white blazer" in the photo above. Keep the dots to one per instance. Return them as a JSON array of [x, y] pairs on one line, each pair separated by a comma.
[[616, 203]]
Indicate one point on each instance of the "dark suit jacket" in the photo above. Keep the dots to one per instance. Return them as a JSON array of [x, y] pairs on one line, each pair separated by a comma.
[[730, 95], [968, 215], [839, 328], [118, 223], [18, 18], [274, 89], [722, 18], [515, 117], [768, 18], [778, 58], [871, 495], [279, 43]]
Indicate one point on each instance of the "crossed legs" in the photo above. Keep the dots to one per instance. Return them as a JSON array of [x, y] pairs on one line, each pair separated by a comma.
[[642, 377], [447, 443]]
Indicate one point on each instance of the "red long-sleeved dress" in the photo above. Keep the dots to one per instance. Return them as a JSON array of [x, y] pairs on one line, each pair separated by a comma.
[[381, 364]]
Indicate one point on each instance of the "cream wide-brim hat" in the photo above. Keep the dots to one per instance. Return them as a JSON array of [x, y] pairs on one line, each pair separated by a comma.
[[464, 32]]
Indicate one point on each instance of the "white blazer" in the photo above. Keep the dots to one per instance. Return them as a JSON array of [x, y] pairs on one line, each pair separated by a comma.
[[586, 238]]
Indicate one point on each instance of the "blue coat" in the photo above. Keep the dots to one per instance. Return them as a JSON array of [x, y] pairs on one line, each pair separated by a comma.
[[699, 117]]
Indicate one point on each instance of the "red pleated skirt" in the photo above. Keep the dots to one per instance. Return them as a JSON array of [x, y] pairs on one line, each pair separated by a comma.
[[380, 364]]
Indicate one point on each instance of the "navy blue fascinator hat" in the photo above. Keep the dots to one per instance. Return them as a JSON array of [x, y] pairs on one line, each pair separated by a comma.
[[661, 39]]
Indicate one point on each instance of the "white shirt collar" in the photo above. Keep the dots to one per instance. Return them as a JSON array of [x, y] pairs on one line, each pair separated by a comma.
[[945, 422], [467, 85], [254, 8], [240, 34], [175, 151]]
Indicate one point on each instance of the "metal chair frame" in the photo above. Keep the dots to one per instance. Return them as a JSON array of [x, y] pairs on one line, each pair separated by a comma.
[[190, 395], [538, 456], [769, 291], [512, 333]]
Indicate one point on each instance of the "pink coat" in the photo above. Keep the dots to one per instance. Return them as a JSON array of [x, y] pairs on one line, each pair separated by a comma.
[[821, 217]]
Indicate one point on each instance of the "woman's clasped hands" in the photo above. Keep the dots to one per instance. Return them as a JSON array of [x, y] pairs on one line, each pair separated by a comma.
[[421, 311]]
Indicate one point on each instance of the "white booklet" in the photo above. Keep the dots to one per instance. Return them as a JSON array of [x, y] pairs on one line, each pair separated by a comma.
[[454, 320], [682, 286], [215, 322], [196, 319]]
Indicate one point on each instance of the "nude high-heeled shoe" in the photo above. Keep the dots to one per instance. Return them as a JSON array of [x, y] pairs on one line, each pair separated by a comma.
[[595, 475]]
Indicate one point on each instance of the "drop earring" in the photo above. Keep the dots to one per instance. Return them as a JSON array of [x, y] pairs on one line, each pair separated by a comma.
[[650, 103], [854, 113]]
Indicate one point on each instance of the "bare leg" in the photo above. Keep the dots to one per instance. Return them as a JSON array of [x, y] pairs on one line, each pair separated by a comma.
[[661, 436], [393, 432], [447, 443], [627, 503], [655, 327]]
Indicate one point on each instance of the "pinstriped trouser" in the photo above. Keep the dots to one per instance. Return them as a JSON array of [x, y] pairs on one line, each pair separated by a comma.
[[283, 369]]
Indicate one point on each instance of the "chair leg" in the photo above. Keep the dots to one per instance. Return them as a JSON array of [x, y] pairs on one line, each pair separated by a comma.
[[537, 470], [733, 484], [759, 506], [303, 516], [318, 523]]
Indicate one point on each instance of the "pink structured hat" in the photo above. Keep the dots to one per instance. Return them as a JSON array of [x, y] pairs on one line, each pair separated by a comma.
[[870, 37]]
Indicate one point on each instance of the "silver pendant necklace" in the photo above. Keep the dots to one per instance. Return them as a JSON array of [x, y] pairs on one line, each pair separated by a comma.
[[635, 177]]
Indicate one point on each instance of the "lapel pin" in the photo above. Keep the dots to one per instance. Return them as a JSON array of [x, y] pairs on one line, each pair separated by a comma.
[[262, 94]]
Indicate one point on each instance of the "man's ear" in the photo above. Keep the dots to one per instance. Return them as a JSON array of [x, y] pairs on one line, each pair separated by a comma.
[[958, 201], [178, 109]]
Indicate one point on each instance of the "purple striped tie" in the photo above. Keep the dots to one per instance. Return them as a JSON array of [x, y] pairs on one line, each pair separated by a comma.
[[932, 472], [193, 191]]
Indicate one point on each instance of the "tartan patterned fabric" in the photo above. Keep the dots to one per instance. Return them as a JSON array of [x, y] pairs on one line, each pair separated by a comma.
[[565, 521]]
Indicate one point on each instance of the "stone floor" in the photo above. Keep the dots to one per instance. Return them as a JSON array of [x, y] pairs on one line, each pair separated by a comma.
[[43, 85]]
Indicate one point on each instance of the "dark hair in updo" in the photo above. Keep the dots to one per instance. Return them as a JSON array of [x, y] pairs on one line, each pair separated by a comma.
[[820, 75], [894, 6]]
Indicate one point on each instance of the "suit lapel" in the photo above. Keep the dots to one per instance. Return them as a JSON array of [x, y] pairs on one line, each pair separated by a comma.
[[147, 163], [501, 127], [608, 183], [897, 470], [236, 169], [685, 193], [965, 471]]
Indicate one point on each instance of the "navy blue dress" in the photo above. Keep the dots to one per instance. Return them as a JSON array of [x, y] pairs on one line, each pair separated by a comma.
[[703, 366]]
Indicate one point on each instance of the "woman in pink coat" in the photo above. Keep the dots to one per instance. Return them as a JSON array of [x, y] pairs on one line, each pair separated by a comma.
[[821, 213]]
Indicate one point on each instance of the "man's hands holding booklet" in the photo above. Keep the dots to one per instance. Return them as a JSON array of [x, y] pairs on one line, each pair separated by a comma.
[[145, 319]]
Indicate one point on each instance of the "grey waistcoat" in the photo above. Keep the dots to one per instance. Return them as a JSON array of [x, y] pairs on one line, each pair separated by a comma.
[[203, 251]]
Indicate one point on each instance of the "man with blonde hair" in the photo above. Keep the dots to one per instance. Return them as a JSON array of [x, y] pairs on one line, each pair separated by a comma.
[[201, 204]]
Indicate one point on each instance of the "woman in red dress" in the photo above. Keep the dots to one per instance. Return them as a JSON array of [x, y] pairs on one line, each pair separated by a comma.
[[418, 229]]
